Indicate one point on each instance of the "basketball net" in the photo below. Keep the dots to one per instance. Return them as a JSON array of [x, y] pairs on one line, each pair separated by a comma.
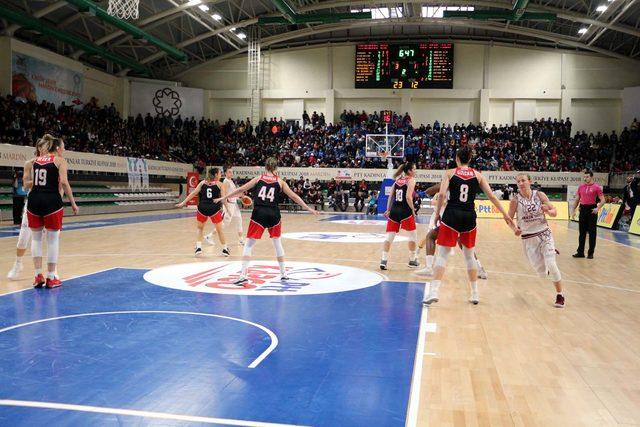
[[385, 155], [123, 9]]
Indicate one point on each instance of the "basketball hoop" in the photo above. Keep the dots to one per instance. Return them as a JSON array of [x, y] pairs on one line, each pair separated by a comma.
[[123, 9], [385, 155]]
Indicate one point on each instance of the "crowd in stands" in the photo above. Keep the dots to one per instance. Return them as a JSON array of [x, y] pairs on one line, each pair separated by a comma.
[[545, 144]]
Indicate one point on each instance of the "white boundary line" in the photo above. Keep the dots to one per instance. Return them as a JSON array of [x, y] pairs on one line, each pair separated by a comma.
[[416, 379], [256, 362], [136, 413], [70, 278]]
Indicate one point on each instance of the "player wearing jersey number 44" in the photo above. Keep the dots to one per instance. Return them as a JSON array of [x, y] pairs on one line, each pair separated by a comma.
[[267, 189], [531, 206], [458, 222]]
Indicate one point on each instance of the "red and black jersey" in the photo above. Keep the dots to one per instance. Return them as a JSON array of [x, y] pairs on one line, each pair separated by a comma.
[[267, 191], [46, 176], [463, 187], [400, 209], [209, 191]]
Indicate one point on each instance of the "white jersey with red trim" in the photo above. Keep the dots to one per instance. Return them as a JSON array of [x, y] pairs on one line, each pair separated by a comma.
[[530, 216], [231, 186]]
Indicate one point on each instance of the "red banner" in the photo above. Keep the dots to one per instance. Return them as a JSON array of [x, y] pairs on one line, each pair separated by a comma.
[[193, 179]]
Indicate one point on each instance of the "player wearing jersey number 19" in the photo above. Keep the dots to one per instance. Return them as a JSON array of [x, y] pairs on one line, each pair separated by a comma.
[[458, 222], [47, 174], [531, 206], [400, 213], [266, 214], [208, 190]]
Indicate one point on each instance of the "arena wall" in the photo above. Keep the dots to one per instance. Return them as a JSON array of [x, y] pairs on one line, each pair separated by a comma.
[[496, 84]]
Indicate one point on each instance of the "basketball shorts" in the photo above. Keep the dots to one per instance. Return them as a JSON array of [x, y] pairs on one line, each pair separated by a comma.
[[400, 219], [538, 248], [212, 212], [457, 225], [264, 218], [45, 210]]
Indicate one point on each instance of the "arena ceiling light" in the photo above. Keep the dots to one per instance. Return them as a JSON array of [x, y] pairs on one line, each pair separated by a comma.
[[242, 36], [194, 2], [216, 17], [601, 8], [232, 29], [203, 7], [582, 30]]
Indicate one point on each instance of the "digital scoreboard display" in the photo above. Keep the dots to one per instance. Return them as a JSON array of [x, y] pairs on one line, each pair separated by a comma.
[[404, 66]]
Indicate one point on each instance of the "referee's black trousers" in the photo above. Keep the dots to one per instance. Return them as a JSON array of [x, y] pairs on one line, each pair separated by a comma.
[[588, 223]]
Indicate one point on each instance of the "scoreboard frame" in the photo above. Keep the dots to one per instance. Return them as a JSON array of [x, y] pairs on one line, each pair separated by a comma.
[[386, 70]]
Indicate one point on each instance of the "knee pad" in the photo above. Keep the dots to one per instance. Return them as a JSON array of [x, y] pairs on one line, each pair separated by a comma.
[[24, 237], [277, 243], [552, 269], [469, 258], [248, 247], [442, 253], [53, 246], [391, 236], [413, 236], [36, 243]]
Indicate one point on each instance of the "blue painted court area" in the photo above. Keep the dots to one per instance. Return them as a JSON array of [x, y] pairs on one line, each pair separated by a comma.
[[111, 340]]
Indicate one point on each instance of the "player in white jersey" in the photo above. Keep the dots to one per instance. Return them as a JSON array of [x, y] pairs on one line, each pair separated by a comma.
[[232, 210], [432, 235], [531, 208]]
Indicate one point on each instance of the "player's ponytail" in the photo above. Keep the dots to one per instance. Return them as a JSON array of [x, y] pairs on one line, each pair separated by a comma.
[[44, 144], [211, 173], [55, 144], [404, 168], [271, 165], [464, 154]]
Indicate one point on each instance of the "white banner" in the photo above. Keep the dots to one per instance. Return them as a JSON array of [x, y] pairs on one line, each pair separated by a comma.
[[165, 100], [138, 172], [546, 179], [15, 156]]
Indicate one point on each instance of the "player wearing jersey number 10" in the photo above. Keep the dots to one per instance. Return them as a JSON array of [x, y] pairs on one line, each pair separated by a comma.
[[267, 189], [458, 222]]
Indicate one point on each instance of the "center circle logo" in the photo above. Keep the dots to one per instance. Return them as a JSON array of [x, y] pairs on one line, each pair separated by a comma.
[[264, 278], [341, 237], [360, 221]]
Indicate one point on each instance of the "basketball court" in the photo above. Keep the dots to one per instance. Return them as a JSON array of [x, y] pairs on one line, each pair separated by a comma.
[[141, 329]]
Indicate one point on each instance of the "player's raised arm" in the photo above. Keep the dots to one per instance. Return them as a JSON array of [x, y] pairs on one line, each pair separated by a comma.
[[190, 195], [293, 196], [238, 191], [486, 189], [513, 207]]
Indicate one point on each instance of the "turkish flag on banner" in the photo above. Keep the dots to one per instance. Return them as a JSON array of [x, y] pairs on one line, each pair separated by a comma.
[[193, 179]]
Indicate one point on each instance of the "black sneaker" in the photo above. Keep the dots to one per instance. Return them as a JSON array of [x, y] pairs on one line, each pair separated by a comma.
[[383, 264], [414, 264], [225, 252], [590, 256], [559, 301], [240, 281], [284, 278], [578, 255], [198, 251]]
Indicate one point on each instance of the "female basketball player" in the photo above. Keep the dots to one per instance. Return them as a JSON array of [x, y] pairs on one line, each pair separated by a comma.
[[45, 208], [24, 237], [208, 190], [531, 206], [432, 236], [266, 214], [400, 213], [232, 210], [459, 220]]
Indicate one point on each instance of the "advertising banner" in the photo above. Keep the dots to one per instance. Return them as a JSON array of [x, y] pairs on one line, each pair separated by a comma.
[[16, 155], [164, 100], [193, 179], [607, 214], [546, 179], [485, 209], [138, 173], [634, 227], [36, 80]]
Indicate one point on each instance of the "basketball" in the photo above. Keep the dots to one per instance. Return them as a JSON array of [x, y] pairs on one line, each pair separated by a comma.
[[246, 201]]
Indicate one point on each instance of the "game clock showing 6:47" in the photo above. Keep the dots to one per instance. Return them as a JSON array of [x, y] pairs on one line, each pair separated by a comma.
[[404, 66]]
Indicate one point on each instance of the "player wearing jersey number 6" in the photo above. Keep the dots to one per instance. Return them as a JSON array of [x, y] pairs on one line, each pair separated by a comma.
[[458, 222], [267, 189]]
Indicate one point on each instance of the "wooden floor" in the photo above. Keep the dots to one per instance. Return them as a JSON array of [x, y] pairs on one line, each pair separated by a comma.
[[512, 360]]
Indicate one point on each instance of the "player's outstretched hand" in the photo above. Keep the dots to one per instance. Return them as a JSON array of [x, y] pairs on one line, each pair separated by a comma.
[[545, 208], [594, 210], [314, 212], [180, 205], [218, 200], [518, 231], [75, 209]]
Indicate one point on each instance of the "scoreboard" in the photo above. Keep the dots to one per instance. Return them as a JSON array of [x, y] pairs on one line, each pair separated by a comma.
[[404, 66]]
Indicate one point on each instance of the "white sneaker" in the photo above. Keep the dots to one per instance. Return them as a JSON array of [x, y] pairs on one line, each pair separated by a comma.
[[209, 239], [427, 271], [198, 252], [433, 294], [14, 274], [475, 298], [482, 274]]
